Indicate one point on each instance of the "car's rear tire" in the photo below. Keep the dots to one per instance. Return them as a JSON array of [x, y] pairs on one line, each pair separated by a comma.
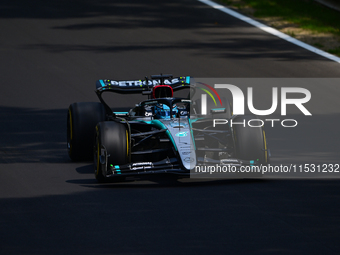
[[82, 119], [250, 142], [111, 148]]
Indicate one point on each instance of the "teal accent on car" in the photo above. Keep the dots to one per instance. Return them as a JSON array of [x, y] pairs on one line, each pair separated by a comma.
[[182, 134], [158, 124], [102, 83], [117, 169], [191, 132], [251, 162], [120, 112]]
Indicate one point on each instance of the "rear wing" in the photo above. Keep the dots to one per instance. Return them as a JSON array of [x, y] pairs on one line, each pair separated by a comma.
[[138, 86]]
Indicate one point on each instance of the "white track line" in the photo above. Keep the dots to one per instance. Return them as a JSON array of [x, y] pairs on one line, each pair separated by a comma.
[[270, 30]]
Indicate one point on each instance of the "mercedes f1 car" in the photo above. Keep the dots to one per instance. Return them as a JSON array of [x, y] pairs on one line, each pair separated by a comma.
[[163, 134]]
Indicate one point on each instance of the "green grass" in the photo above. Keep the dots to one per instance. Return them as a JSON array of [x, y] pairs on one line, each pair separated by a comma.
[[306, 14], [335, 51], [291, 33], [319, 45]]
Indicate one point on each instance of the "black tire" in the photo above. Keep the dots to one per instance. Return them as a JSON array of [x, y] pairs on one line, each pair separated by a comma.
[[250, 142], [211, 105], [212, 140], [82, 119], [113, 139]]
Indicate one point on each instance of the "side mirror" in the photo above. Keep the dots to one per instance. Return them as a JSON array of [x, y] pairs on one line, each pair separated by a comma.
[[218, 110]]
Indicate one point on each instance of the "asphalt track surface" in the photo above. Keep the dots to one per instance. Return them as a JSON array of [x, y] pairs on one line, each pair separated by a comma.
[[51, 54]]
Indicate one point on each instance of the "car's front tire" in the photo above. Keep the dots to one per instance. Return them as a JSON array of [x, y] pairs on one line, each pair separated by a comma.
[[250, 142], [111, 148], [82, 119]]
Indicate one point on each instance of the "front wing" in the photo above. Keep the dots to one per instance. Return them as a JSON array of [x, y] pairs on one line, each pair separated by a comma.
[[172, 166]]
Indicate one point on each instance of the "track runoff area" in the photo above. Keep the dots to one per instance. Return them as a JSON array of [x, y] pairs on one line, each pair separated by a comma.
[[270, 30]]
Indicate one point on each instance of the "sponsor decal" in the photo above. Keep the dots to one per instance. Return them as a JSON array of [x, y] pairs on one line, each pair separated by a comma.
[[227, 160], [188, 160], [142, 164], [139, 83], [150, 102]]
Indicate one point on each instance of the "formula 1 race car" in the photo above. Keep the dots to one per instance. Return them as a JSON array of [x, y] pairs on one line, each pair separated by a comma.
[[164, 134]]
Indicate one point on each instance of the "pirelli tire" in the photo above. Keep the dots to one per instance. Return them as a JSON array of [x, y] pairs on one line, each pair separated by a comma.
[[250, 142], [82, 119], [111, 148]]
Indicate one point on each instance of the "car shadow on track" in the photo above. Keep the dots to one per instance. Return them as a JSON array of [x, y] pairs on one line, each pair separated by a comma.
[[30, 135], [155, 181]]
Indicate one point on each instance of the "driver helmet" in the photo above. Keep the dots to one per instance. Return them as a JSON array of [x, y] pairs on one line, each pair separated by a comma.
[[162, 111]]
